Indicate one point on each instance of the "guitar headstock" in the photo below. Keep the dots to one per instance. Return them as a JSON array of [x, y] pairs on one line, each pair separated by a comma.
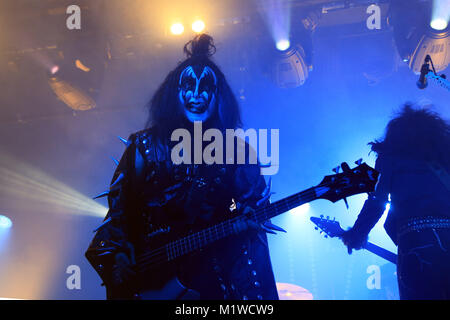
[[360, 179], [331, 228]]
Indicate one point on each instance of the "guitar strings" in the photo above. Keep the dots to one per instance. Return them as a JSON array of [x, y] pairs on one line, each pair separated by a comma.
[[182, 246]]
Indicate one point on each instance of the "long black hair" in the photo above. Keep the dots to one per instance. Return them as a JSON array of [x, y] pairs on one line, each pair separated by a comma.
[[417, 133], [164, 113]]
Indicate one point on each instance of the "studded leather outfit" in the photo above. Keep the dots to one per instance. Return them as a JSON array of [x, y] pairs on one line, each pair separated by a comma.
[[150, 195]]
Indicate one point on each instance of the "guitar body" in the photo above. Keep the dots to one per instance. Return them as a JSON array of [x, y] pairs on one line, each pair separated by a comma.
[[159, 283], [173, 289]]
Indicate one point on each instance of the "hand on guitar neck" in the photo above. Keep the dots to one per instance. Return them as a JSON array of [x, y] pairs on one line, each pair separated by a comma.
[[354, 240], [332, 229]]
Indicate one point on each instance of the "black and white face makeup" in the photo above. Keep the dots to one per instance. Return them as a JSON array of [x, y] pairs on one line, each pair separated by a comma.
[[197, 92]]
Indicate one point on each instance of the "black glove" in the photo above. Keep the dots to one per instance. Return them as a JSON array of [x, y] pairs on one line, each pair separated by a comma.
[[354, 239]]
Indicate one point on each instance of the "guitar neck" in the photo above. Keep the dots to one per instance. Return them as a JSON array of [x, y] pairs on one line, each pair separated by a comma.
[[381, 252], [201, 239]]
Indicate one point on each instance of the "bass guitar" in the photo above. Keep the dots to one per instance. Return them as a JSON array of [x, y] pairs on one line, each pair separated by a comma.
[[155, 269]]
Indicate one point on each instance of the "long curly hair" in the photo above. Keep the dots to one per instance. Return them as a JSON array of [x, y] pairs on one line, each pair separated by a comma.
[[164, 113], [417, 133]]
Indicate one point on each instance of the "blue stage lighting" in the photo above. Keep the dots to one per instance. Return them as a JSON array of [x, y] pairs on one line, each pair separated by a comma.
[[440, 15], [5, 222], [283, 44]]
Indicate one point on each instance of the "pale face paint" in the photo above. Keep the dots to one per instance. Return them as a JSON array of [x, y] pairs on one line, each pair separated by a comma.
[[197, 93]]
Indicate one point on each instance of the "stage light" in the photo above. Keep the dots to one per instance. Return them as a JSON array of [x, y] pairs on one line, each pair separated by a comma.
[[283, 44], [177, 28], [438, 24], [290, 69], [433, 43], [277, 16], [289, 291], [198, 26], [72, 96], [54, 69], [5, 222], [414, 37], [81, 66], [440, 14]]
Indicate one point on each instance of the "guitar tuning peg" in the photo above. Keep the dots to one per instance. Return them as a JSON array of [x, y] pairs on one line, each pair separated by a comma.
[[321, 216], [346, 203], [336, 170], [358, 162], [325, 236], [316, 228], [328, 217]]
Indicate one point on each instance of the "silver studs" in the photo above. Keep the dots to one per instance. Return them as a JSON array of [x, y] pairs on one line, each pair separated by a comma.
[[259, 297], [257, 284], [223, 287], [254, 273], [244, 298], [249, 261]]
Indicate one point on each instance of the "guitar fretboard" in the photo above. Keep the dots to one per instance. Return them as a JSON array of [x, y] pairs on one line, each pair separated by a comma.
[[201, 239]]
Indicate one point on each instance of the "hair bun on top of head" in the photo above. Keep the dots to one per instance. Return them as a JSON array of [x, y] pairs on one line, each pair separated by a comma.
[[202, 46]]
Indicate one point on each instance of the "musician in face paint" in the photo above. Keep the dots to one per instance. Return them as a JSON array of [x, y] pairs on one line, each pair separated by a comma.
[[197, 89], [150, 197]]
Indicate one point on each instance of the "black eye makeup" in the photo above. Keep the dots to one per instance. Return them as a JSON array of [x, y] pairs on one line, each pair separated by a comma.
[[188, 83], [206, 81]]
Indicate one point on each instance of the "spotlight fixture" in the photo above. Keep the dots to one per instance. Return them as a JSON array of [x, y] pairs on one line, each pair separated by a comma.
[[70, 95], [198, 26], [5, 222], [290, 69], [54, 69], [177, 28], [440, 15], [283, 44], [416, 36], [435, 44], [438, 24]]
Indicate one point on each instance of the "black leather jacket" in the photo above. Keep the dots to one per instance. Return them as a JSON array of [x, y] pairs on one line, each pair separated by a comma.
[[149, 195]]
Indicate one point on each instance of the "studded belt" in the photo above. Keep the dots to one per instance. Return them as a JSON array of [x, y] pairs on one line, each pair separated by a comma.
[[422, 223]]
